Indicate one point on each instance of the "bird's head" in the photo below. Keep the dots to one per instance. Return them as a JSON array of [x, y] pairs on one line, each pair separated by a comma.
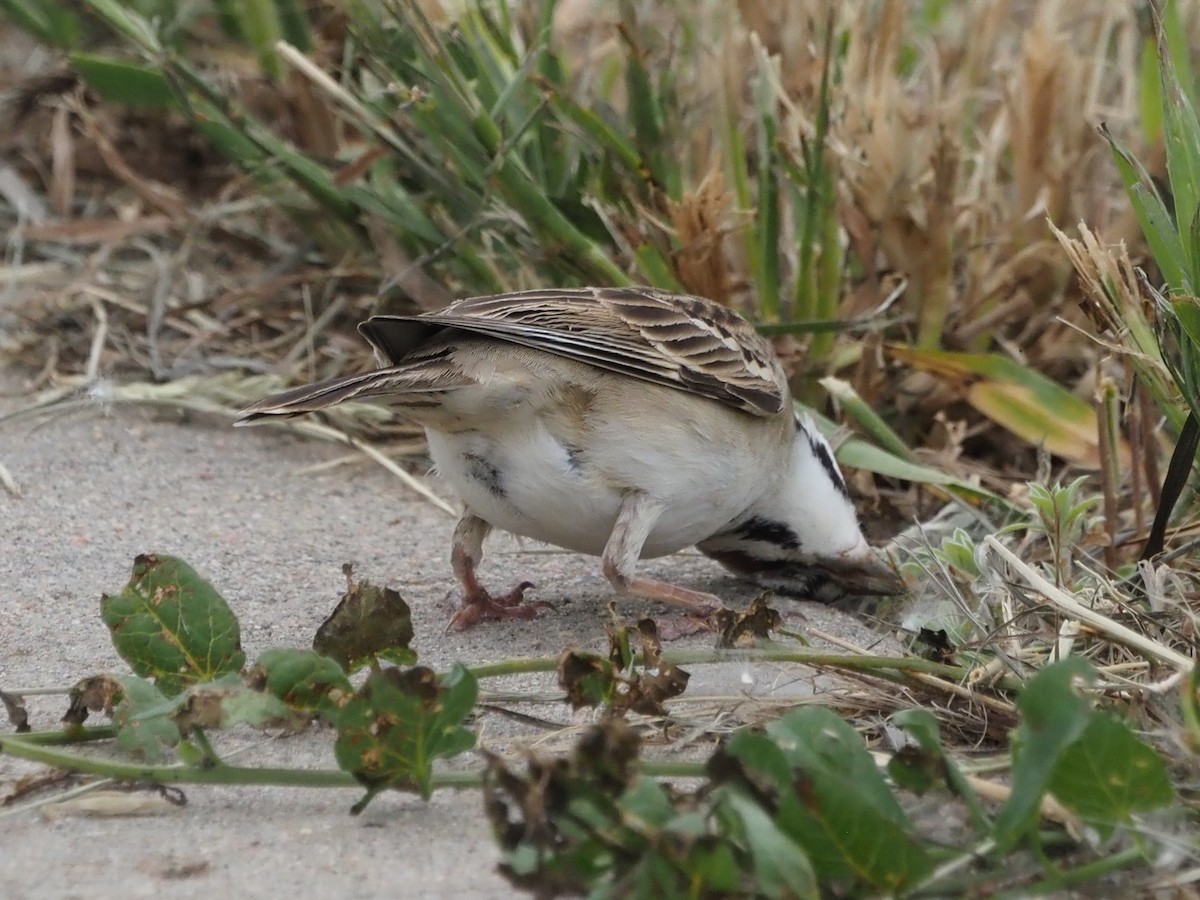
[[803, 537]]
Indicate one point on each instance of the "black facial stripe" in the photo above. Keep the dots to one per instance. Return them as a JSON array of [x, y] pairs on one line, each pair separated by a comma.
[[821, 451], [485, 472], [743, 562], [759, 529]]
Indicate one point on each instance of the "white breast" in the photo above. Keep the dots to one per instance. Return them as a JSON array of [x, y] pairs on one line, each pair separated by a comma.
[[528, 474]]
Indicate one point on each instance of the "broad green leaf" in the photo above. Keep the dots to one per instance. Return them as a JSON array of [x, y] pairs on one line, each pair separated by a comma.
[[139, 732], [648, 803], [1108, 775], [171, 625], [303, 679], [123, 82], [918, 768], [399, 722], [1054, 715], [229, 701], [819, 742], [138, 709], [1019, 399], [760, 758], [781, 868], [931, 762], [836, 804]]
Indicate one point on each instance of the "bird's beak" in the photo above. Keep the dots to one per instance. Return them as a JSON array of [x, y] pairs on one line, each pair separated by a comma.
[[863, 571]]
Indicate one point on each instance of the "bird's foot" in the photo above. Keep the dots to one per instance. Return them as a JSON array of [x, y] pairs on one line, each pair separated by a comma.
[[478, 604], [684, 626]]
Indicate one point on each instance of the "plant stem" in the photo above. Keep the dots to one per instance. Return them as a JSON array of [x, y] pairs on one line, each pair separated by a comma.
[[226, 774], [778, 653], [1080, 874], [176, 774], [519, 666], [69, 736]]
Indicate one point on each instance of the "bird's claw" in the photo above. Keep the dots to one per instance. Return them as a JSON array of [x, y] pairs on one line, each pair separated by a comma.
[[478, 605]]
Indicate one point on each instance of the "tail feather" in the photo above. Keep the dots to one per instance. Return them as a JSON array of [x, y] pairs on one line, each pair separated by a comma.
[[405, 381]]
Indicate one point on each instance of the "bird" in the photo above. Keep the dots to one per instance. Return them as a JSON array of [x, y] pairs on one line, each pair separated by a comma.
[[625, 423]]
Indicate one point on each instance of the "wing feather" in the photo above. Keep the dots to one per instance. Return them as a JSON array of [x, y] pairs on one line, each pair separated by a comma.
[[675, 340]]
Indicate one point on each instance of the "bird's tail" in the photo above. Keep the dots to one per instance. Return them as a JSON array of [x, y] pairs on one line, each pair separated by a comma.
[[414, 383]]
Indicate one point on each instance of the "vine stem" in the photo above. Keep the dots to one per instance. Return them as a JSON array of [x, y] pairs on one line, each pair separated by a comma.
[[226, 774], [854, 662], [40, 747]]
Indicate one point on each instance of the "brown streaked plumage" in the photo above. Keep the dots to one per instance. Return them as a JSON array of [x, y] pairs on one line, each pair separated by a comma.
[[622, 422]]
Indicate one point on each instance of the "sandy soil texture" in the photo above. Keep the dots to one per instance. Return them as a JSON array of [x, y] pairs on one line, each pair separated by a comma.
[[99, 487]]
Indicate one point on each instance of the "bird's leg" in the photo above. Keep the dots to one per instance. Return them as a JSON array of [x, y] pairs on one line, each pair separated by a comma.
[[476, 603], [634, 523]]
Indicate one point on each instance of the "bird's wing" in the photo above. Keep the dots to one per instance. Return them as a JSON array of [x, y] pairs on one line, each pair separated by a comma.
[[675, 340]]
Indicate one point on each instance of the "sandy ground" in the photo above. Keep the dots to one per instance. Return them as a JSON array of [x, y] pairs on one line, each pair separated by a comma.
[[99, 487]]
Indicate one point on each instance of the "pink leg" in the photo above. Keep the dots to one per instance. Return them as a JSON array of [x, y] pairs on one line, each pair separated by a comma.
[[476, 603], [634, 523]]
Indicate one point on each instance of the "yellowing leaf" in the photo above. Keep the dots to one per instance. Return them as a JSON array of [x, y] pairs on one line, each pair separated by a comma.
[[1022, 401], [1018, 409]]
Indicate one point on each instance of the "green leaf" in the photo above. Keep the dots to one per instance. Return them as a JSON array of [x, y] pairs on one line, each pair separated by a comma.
[[860, 454], [1107, 775], [918, 771], [303, 679], [294, 25], [228, 701], [918, 768], [259, 25], [832, 799], [138, 709], [1156, 222], [1150, 102], [781, 869], [399, 722], [1181, 140], [50, 22], [1018, 398], [124, 82], [139, 732], [368, 623], [1054, 715], [171, 625], [844, 814], [818, 741], [867, 418]]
